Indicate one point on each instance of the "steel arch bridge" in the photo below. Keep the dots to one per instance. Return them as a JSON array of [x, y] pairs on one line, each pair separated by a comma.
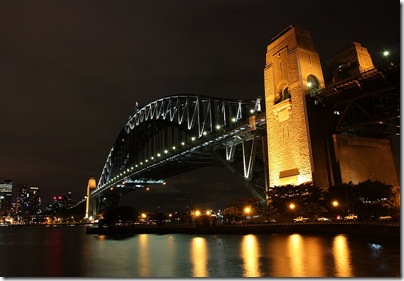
[[176, 134]]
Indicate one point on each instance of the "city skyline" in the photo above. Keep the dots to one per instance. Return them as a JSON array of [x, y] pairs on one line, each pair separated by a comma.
[[72, 80]]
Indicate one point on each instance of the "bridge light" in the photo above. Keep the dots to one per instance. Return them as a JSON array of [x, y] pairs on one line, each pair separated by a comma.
[[158, 154], [141, 163], [386, 53], [166, 151], [164, 183], [252, 111], [127, 170], [146, 160], [152, 158], [111, 188], [174, 147], [309, 84], [193, 138], [233, 119], [205, 133], [218, 127], [131, 168], [136, 165], [183, 143]]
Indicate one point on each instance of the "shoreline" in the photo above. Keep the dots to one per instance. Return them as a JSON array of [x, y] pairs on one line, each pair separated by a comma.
[[385, 230]]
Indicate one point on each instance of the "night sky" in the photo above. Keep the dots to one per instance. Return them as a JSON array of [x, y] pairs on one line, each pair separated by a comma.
[[71, 72]]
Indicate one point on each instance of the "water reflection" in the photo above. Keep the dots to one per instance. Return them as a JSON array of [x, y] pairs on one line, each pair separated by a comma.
[[199, 257], [72, 253], [295, 251], [342, 256], [250, 255], [144, 261]]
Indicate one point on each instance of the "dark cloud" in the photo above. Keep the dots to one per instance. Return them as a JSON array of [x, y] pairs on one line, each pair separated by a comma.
[[72, 70]]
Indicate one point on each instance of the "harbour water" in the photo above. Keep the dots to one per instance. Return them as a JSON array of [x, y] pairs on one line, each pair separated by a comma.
[[67, 251]]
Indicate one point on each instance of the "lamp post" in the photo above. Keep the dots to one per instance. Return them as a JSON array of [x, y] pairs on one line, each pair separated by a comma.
[[292, 207], [335, 204], [247, 210]]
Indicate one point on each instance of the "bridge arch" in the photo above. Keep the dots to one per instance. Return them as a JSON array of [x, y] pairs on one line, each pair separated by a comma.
[[184, 132]]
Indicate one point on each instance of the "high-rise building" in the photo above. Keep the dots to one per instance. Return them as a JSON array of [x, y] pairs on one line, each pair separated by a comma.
[[28, 199], [60, 202], [6, 192]]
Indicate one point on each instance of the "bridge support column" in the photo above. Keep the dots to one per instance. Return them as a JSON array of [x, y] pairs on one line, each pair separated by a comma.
[[90, 187]]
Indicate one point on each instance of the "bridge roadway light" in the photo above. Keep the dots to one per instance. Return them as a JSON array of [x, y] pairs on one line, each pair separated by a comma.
[[165, 151], [182, 143], [386, 53]]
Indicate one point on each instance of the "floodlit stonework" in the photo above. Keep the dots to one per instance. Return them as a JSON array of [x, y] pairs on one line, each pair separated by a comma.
[[302, 146]]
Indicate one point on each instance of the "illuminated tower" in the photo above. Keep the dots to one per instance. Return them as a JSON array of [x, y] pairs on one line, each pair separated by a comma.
[[90, 187], [291, 72]]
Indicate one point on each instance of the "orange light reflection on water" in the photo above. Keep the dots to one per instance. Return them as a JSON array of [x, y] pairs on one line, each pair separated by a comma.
[[199, 257], [250, 255], [342, 256], [144, 251]]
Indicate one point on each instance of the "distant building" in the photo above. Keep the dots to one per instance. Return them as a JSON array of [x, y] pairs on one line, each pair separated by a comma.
[[60, 202], [6, 192], [28, 200]]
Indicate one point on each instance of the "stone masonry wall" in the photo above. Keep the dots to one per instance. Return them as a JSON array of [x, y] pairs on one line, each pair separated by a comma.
[[361, 159]]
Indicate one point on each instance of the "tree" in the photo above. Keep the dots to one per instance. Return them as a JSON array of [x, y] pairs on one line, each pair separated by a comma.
[[232, 213], [393, 202], [270, 211], [314, 209]]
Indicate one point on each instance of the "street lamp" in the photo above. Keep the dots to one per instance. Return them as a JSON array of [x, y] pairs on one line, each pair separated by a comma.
[[335, 203], [292, 206]]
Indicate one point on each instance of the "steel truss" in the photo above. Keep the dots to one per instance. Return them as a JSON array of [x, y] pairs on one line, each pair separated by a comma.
[[170, 136], [367, 105]]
